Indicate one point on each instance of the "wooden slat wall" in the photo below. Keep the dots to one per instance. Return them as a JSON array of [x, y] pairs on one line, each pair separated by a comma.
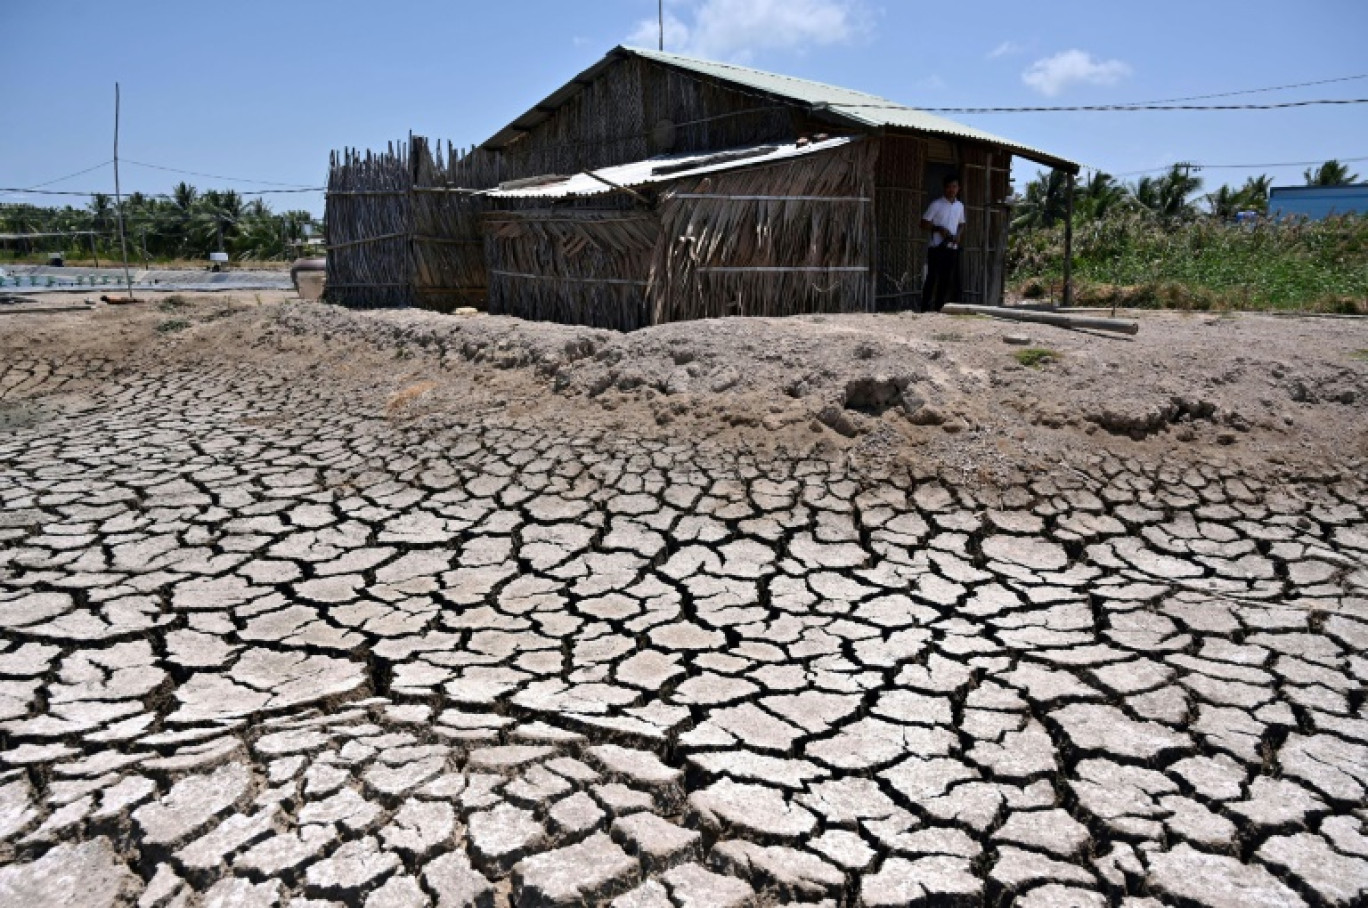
[[985, 180], [899, 200], [610, 122]]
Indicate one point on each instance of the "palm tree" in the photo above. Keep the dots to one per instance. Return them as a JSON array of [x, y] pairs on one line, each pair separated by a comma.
[[1223, 203], [1253, 195], [1099, 195], [1167, 197], [1331, 173], [1045, 202], [183, 196]]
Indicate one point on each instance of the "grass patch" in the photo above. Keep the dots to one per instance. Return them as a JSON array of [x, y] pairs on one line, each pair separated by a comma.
[[948, 337], [171, 326], [1359, 354], [173, 303], [1132, 260], [1035, 357]]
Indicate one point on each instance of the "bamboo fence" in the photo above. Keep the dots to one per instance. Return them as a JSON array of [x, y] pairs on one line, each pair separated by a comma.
[[575, 266], [369, 225], [403, 228], [448, 253]]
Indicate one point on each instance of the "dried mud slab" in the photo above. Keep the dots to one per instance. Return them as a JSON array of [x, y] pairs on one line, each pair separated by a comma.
[[268, 638]]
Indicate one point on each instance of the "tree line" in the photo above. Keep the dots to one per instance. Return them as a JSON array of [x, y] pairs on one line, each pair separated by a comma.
[[1172, 196], [186, 224]]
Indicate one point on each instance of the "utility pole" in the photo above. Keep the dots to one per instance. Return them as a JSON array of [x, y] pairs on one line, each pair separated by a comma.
[[1188, 167], [660, 18], [118, 198]]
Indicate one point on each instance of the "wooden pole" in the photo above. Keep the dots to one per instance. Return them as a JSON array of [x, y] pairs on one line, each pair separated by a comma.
[[1058, 319], [95, 253], [118, 197], [1068, 241]]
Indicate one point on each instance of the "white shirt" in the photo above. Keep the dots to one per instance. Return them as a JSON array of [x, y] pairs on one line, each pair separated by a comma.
[[942, 213]]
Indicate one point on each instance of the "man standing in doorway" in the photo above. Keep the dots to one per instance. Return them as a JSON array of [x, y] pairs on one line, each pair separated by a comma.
[[945, 219]]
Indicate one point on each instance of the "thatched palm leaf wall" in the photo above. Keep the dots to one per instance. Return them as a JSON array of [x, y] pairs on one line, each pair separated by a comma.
[[788, 238]]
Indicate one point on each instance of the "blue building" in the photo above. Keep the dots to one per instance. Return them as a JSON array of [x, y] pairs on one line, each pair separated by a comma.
[[1317, 203]]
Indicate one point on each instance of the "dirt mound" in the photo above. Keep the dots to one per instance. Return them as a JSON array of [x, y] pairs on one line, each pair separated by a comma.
[[956, 390]]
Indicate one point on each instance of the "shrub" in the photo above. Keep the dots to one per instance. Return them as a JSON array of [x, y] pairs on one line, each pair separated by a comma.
[[1134, 260], [1035, 357]]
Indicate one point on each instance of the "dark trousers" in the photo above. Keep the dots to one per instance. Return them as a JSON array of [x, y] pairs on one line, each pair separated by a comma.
[[942, 278]]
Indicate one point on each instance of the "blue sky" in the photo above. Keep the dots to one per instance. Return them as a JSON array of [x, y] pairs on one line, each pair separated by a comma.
[[262, 91]]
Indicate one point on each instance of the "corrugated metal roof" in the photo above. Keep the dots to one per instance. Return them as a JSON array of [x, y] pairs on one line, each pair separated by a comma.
[[859, 109], [644, 173]]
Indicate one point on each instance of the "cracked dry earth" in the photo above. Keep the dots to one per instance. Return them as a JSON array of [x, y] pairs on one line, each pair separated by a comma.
[[261, 644]]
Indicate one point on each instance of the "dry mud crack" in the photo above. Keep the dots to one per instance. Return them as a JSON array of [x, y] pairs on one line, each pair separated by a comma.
[[264, 643]]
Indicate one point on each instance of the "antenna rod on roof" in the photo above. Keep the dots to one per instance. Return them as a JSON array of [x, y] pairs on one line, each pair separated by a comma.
[[660, 16]]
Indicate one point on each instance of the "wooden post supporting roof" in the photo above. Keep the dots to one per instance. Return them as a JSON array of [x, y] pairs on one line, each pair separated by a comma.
[[1068, 241]]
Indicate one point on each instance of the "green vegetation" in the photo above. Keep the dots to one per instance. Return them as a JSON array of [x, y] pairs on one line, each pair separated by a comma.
[[1360, 354], [173, 303], [185, 225], [172, 325], [1150, 245], [1035, 357]]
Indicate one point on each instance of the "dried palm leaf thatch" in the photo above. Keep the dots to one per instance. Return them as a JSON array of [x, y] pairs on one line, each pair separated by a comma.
[[578, 266], [782, 239]]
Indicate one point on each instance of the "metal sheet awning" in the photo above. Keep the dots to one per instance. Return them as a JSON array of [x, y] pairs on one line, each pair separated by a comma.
[[664, 169]]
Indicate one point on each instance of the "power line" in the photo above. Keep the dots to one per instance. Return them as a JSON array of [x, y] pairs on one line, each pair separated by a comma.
[[1131, 173], [212, 176], [1251, 91], [1118, 108], [1283, 163], [70, 175], [153, 195]]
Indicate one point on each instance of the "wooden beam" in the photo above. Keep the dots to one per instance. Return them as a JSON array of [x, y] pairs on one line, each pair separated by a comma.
[[1068, 240], [1059, 320]]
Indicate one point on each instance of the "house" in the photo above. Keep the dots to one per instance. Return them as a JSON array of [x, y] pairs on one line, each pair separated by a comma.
[[655, 187], [1317, 203]]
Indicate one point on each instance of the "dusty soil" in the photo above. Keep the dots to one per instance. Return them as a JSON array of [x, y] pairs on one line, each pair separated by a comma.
[[937, 390], [307, 607]]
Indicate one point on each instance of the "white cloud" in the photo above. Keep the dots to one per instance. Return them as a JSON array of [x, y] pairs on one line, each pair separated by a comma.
[[1006, 48], [1052, 75], [647, 33], [736, 29]]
